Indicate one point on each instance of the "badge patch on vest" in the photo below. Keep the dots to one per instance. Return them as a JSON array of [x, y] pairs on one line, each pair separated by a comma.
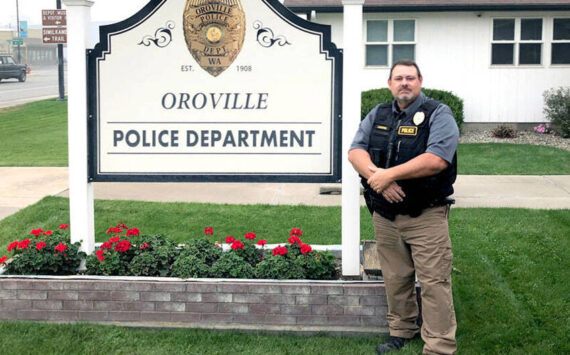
[[419, 118], [384, 128], [408, 131]]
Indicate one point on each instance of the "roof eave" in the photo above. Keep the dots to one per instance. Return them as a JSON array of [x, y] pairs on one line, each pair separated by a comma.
[[438, 8]]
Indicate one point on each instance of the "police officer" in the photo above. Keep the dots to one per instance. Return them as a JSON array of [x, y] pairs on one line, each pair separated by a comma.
[[405, 152]]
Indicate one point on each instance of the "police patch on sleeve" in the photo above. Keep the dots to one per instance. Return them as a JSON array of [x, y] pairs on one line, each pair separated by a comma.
[[408, 131]]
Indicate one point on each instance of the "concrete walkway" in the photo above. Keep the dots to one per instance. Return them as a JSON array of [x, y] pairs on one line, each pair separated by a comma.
[[20, 187]]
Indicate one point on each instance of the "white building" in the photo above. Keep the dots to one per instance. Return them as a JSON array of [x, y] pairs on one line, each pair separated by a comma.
[[498, 56]]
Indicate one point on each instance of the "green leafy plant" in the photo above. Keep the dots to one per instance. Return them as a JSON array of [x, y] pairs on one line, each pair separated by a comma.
[[202, 249], [557, 109], [231, 265], [188, 266], [371, 98], [318, 265], [504, 131], [44, 253], [279, 267], [127, 253]]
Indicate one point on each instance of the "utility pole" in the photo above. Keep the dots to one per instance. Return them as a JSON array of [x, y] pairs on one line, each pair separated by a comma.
[[60, 64], [18, 26]]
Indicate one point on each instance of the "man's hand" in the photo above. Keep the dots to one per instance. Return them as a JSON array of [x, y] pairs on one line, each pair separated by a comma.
[[393, 193], [379, 180]]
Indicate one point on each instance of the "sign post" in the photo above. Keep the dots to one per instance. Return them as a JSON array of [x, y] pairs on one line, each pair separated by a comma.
[[57, 35], [80, 189], [351, 114]]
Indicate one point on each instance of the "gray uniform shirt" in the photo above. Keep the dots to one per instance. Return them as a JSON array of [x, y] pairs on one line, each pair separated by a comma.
[[443, 132]]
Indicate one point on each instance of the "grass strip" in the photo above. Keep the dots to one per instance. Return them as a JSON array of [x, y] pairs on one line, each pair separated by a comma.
[[34, 134], [511, 159]]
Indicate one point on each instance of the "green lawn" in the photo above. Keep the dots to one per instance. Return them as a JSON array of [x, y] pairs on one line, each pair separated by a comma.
[[510, 282], [511, 159], [35, 134]]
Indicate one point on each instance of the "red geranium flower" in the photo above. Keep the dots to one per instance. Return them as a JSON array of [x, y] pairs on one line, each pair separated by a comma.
[[237, 245], [262, 242], [144, 246], [230, 239], [100, 255], [121, 225], [123, 246], [114, 239], [134, 232], [3, 259], [24, 244], [279, 251], [13, 245], [64, 226], [40, 245], [294, 239], [296, 231], [209, 231], [250, 236], [36, 232], [48, 233], [61, 247], [114, 230], [107, 245], [306, 248]]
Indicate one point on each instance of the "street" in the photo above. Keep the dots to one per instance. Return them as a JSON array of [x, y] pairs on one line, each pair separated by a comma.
[[42, 83]]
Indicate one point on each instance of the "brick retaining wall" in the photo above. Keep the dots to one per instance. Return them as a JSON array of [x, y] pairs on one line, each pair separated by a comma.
[[338, 306]]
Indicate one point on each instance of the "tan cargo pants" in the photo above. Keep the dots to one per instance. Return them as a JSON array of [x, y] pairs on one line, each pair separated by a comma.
[[420, 246]]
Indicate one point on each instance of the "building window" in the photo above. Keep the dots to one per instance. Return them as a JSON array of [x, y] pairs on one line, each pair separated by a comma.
[[561, 41], [517, 41], [388, 41]]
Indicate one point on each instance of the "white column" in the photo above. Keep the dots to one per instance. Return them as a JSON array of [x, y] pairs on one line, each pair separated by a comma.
[[80, 190], [351, 118]]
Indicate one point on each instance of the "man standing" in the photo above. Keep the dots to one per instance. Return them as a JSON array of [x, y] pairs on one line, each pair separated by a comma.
[[405, 153]]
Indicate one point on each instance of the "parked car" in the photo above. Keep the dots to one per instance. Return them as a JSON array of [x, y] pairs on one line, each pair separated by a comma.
[[9, 69]]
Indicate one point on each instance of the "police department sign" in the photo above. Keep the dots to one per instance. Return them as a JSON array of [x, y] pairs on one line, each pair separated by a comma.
[[223, 90]]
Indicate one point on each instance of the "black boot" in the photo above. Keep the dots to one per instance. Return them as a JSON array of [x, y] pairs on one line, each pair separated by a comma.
[[393, 343]]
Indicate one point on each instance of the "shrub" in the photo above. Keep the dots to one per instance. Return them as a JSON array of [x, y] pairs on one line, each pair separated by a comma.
[[371, 98], [557, 109], [279, 267], [504, 131], [318, 265], [187, 266], [44, 253], [231, 265]]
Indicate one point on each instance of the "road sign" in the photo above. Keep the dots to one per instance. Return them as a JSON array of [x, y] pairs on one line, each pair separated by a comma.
[[54, 18], [54, 35], [15, 41], [23, 29]]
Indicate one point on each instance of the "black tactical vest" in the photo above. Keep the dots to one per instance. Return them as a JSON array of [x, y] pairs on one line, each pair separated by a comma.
[[394, 140]]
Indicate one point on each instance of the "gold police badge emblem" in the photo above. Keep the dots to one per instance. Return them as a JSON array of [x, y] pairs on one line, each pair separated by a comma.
[[214, 32]]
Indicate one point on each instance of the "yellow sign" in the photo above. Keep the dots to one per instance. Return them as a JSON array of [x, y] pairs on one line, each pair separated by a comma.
[[408, 131], [214, 32]]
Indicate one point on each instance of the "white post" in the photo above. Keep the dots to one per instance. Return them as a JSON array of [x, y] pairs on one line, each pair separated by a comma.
[[351, 118], [80, 190]]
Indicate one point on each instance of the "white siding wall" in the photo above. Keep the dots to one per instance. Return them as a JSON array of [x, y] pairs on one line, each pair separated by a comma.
[[454, 52]]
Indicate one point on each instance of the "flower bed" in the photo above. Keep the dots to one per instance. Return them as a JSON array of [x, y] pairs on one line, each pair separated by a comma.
[[128, 253], [189, 300]]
